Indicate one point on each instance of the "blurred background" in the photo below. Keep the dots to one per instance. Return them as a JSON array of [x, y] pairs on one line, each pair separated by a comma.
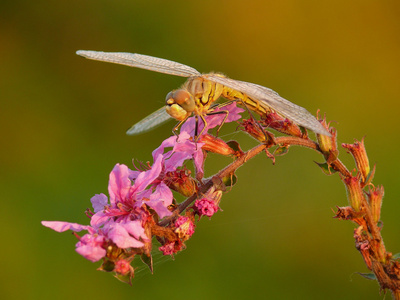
[[63, 121]]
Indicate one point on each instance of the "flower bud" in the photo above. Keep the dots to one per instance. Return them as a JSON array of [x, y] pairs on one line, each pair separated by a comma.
[[281, 124], [123, 267], [328, 144], [206, 207], [354, 192], [375, 197], [170, 248], [215, 145], [184, 228], [256, 131], [357, 150], [181, 181]]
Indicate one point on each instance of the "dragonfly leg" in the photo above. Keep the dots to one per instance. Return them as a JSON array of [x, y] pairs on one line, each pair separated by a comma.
[[218, 113], [196, 136], [176, 127], [196, 128]]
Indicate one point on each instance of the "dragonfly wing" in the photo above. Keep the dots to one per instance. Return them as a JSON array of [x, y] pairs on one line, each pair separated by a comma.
[[293, 112], [152, 121], [141, 61]]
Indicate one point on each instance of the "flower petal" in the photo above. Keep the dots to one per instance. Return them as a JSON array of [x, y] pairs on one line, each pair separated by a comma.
[[160, 200], [90, 247], [119, 184], [121, 237], [64, 226], [146, 178], [135, 229], [98, 202]]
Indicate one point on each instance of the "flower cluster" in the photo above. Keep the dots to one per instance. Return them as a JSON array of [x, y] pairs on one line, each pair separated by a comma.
[[123, 225], [141, 207]]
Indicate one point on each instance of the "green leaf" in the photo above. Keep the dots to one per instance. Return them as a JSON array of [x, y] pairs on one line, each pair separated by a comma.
[[281, 150], [326, 168], [370, 176], [234, 145], [230, 180], [369, 276], [125, 278], [396, 256], [148, 260], [107, 266]]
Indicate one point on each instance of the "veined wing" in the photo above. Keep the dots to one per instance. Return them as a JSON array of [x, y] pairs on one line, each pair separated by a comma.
[[152, 121], [293, 112], [141, 61]]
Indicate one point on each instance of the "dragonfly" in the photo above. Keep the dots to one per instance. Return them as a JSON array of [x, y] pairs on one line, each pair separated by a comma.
[[200, 92]]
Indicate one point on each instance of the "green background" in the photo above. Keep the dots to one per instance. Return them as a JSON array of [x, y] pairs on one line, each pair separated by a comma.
[[63, 122]]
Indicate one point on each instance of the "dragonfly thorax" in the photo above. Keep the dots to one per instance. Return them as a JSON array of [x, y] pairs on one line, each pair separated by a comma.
[[195, 96]]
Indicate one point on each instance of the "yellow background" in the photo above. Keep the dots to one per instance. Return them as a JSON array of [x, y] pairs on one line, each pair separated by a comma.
[[63, 122]]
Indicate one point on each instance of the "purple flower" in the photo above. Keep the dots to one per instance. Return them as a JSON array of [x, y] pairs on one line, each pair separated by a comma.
[[132, 196], [183, 148], [213, 120], [90, 246], [122, 220], [64, 226]]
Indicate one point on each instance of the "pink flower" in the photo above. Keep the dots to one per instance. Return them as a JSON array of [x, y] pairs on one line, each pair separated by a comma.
[[184, 227], [168, 248], [183, 148], [64, 226], [213, 120], [123, 267], [206, 207], [120, 221], [90, 246], [126, 198]]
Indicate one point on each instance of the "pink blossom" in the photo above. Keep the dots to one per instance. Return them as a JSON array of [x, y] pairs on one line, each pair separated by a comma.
[[123, 267], [98, 202], [64, 226], [120, 221], [184, 227], [168, 248], [90, 246], [125, 234], [183, 148], [133, 196], [214, 120], [206, 207]]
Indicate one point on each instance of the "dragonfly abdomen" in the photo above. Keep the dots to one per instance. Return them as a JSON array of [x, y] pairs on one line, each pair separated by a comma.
[[243, 99]]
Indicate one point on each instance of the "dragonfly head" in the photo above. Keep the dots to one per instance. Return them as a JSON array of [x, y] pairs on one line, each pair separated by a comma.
[[180, 104]]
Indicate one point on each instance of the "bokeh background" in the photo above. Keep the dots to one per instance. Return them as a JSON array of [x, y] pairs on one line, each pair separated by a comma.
[[63, 122]]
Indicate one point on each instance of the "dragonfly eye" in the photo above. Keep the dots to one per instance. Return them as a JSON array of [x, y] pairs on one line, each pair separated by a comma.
[[182, 98]]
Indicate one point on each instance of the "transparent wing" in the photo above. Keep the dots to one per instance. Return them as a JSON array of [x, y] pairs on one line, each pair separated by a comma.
[[293, 112], [160, 116], [141, 61]]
